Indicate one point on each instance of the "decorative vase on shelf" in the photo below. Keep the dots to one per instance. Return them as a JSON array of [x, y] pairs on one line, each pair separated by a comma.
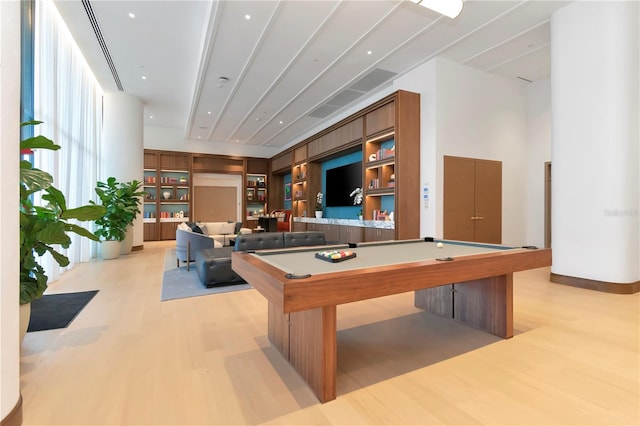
[[166, 195], [360, 217], [318, 214]]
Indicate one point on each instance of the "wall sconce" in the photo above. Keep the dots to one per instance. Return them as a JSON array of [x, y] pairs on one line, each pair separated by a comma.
[[450, 8]]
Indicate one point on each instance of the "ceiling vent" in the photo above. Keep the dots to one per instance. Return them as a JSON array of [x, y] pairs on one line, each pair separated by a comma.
[[344, 98], [372, 80], [323, 111], [103, 44]]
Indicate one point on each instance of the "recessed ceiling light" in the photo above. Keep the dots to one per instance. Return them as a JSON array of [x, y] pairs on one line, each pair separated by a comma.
[[369, 52], [257, 118], [151, 116], [281, 121], [199, 137], [132, 15], [247, 16], [144, 77], [209, 112]]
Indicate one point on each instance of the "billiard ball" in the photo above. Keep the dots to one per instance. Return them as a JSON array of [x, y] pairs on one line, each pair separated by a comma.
[[439, 245]]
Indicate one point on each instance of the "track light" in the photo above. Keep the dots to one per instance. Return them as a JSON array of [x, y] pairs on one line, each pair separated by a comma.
[[450, 8]]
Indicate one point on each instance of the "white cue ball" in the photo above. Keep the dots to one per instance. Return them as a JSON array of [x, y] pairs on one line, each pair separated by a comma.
[[439, 245]]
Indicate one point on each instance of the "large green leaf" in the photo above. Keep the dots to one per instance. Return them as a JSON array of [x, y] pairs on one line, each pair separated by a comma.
[[35, 179], [54, 233], [56, 197], [39, 142], [81, 231], [88, 212]]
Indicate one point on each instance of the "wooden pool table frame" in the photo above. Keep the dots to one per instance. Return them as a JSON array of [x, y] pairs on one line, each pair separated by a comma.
[[476, 290]]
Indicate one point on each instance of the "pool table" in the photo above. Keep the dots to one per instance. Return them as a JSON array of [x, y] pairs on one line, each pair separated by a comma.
[[469, 282]]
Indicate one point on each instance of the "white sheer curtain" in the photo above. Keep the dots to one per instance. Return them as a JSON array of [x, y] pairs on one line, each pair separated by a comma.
[[68, 100]]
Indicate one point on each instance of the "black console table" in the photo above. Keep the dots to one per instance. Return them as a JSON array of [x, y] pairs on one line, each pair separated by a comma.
[[269, 224]]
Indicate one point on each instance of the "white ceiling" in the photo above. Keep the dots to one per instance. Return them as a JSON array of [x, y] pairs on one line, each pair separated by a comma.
[[294, 64]]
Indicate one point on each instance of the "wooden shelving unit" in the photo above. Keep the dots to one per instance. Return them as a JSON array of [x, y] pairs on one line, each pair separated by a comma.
[[167, 182]]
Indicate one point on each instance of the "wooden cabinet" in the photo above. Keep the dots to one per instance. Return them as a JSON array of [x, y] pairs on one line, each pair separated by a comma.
[[381, 119], [378, 234], [388, 133], [256, 195], [392, 163], [331, 232], [343, 137], [351, 234], [299, 226], [167, 189]]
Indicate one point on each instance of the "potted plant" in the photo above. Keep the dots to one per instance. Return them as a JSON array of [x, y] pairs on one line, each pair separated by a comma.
[[42, 226], [131, 197], [318, 208], [121, 201]]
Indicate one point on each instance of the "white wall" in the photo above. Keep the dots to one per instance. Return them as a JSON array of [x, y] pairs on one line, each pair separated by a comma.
[[468, 113], [595, 68], [9, 231], [538, 152], [123, 132]]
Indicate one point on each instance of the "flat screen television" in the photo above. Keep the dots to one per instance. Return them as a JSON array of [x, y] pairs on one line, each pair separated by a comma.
[[340, 182]]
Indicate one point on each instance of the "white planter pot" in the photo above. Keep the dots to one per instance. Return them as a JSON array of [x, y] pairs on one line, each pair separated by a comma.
[[127, 244], [110, 249], [318, 214], [360, 217], [25, 317]]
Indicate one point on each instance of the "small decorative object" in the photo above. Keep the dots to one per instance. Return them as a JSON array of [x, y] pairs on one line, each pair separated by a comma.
[[360, 215], [391, 216], [392, 177], [166, 195], [372, 157], [318, 208], [357, 197]]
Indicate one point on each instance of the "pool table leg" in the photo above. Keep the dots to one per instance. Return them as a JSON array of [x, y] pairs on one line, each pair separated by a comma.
[[486, 304], [307, 340]]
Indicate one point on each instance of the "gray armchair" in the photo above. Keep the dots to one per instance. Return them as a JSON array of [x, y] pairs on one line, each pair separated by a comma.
[[188, 243]]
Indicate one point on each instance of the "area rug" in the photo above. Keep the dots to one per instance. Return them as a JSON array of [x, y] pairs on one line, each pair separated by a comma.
[[178, 283], [57, 310]]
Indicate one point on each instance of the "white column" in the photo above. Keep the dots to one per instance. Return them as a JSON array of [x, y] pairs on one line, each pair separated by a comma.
[[123, 144], [595, 141], [9, 231]]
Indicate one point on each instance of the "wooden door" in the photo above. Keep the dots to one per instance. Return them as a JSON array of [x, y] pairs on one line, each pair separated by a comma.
[[459, 198], [472, 200], [215, 203], [488, 202]]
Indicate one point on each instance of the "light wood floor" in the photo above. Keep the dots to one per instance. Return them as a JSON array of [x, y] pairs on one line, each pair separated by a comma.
[[130, 359]]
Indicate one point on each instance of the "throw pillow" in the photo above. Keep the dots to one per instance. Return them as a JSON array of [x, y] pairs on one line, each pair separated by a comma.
[[184, 227], [237, 228], [203, 228], [197, 229], [228, 228]]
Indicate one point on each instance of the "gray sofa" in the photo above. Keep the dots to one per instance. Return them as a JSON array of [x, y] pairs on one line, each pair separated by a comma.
[[188, 243], [214, 264]]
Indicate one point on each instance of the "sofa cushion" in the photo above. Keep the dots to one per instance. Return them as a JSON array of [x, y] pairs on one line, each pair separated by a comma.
[[214, 267], [299, 239], [261, 241], [214, 228]]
